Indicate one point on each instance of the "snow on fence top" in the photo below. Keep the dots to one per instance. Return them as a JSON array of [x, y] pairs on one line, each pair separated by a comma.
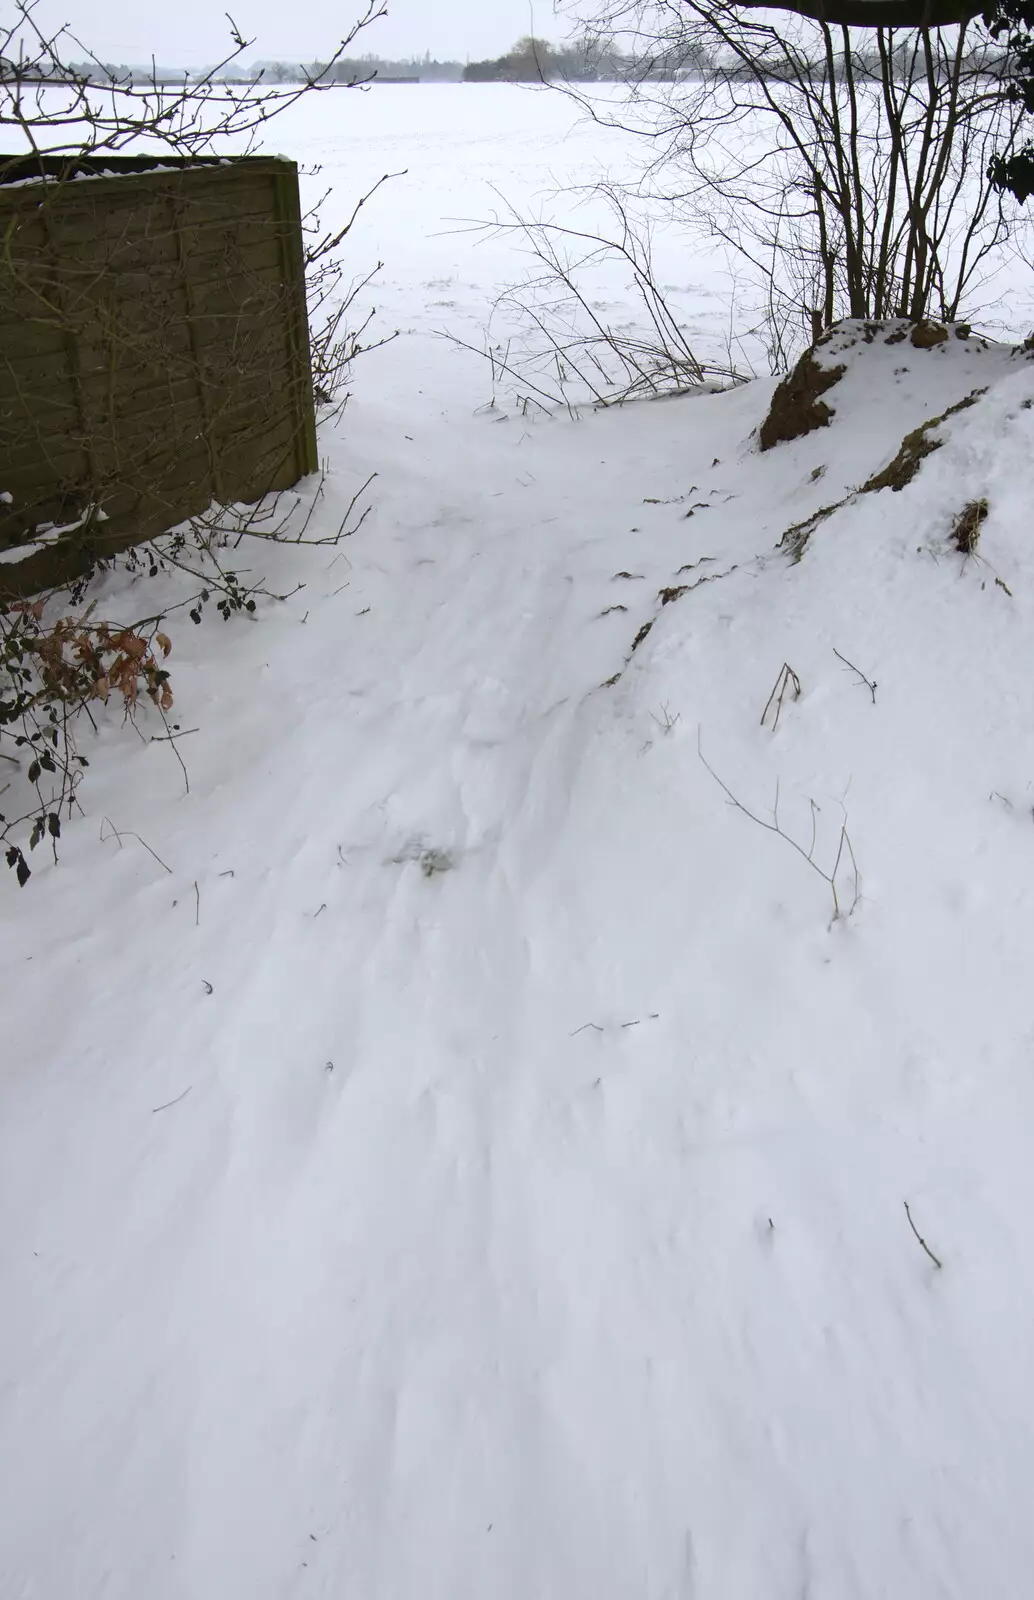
[[154, 351]]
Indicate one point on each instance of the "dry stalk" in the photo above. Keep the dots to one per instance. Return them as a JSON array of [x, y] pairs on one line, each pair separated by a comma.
[[844, 845], [787, 679]]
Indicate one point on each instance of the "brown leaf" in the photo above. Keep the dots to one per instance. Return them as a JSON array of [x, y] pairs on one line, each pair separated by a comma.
[[165, 643], [166, 699]]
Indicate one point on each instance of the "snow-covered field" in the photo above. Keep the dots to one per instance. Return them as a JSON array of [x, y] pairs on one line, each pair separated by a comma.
[[476, 1169], [466, 151], [464, 154]]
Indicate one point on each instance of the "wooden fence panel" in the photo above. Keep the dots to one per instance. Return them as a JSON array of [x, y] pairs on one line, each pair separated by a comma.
[[154, 351]]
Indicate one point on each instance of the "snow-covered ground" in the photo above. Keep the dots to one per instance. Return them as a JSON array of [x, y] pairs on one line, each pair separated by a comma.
[[477, 1166]]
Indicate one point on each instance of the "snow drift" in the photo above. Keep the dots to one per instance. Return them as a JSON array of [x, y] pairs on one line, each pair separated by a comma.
[[492, 1179]]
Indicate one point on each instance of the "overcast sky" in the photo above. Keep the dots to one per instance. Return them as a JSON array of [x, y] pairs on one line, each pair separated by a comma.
[[193, 32]]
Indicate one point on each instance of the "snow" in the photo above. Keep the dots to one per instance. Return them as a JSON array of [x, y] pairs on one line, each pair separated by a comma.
[[472, 1160]]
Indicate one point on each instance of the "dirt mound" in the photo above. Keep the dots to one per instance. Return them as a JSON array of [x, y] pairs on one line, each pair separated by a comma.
[[797, 407], [925, 335]]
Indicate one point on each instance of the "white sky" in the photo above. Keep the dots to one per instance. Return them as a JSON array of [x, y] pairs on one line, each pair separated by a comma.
[[193, 32]]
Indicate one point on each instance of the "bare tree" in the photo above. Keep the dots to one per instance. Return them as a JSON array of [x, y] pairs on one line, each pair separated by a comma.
[[846, 169]]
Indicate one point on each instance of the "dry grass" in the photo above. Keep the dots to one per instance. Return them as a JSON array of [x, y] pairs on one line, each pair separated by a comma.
[[965, 532]]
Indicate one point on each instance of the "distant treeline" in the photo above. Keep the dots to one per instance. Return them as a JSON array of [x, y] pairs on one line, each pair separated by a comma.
[[92, 71], [353, 70], [530, 61], [587, 60], [361, 69]]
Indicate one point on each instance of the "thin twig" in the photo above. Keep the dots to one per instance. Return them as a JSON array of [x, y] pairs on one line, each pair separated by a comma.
[[168, 1103], [938, 1264], [170, 737], [872, 687], [129, 834]]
